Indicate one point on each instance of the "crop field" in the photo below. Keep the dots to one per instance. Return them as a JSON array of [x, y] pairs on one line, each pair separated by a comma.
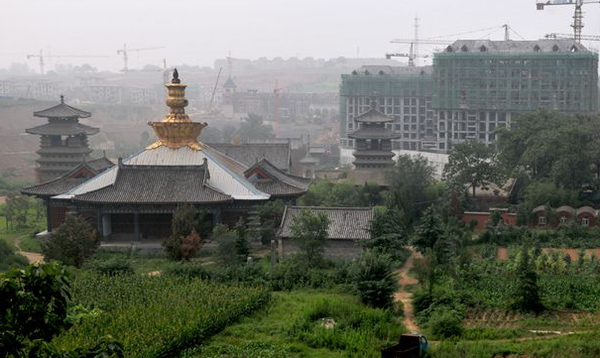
[[155, 316]]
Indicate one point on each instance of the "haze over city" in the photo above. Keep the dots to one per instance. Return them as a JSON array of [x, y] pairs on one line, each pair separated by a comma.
[[198, 32]]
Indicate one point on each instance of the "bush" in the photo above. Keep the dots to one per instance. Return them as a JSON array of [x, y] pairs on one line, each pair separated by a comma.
[[9, 259], [187, 269], [188, 227], [112, 267], [374, 279], [445, 323], [294, 272], [72, 243]]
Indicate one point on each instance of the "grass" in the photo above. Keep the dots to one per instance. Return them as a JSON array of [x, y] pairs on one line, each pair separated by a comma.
[[23, 238], [291, 327]]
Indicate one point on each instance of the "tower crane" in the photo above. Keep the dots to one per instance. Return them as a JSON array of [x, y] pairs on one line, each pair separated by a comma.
[[125, 52], [41, 57], [577, 17], [568, 36], [412, 55]]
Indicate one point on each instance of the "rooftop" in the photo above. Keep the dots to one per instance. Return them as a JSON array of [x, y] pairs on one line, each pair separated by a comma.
[[62, 110], [349, 223], [543, 45]]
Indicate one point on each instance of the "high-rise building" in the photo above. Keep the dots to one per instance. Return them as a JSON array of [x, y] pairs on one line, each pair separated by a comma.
[[473, 88]]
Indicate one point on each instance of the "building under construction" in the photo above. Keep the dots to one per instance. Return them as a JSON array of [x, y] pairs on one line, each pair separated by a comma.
[[474, 87]]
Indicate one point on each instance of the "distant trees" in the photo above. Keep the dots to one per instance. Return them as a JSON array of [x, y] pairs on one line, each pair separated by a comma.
[[252, 127], [17, 207], [325, 193], [557, 147], [309, 231], [73, 242], [472, 164]]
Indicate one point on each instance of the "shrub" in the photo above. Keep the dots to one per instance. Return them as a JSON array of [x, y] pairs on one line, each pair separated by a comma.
[[445, 323], [113, 266], [188, 227], [187, 269], [9, 259], [72, 243], [374, 280]]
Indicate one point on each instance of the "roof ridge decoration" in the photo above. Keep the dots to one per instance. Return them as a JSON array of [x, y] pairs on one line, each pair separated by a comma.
[[177, 130]]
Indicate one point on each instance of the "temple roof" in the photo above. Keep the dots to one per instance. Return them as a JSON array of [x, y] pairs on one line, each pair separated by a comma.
[[374, 133], [66, 182], [229, 83], [269, 179], [373, 115], [70, 127], [62, 110], [278, 154], [157, 184], [344, 223]]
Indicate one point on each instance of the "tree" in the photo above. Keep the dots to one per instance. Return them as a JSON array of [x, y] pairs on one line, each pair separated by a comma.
[[188, 226], [474, 164], [527, 293], [17, 208], [33, 310], [73, 242], [9, 258], [410, 181], [429, 231], [242, 246], [226, 245], [374, 279], [252, 127], [309, 230], [388, 233]]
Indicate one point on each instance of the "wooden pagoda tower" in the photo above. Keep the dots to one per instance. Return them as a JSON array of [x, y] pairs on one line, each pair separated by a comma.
[[64, 141], [373, 141]]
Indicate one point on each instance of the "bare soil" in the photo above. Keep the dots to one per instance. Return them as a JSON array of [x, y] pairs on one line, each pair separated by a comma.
[[406, 297]]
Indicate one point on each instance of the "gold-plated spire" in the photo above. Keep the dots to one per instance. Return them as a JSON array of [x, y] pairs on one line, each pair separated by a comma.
[[177, 130]]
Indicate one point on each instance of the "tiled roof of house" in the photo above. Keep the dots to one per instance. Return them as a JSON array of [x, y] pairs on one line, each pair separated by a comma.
[[276, 182], [157, 184], [279, 154], [373, 115], [100, 164], [62, 110], [374, 133], [69, 127], [344, 223]]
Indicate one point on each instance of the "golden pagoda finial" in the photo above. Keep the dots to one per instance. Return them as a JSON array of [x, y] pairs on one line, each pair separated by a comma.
[[177, 130]]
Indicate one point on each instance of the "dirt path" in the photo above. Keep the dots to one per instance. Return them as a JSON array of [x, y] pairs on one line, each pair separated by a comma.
[[406, 297], [31, 256]]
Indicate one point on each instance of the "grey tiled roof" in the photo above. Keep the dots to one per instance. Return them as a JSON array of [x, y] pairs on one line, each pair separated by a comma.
[[276, 182], [62, 110], [543, 45], [344, 223], [66, 182], [100, 164], [157, 184], [279, 154], [373, 116], [62, 128]]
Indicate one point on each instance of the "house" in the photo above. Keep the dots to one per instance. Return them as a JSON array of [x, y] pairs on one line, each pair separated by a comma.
[[546, 217], [348, 227]]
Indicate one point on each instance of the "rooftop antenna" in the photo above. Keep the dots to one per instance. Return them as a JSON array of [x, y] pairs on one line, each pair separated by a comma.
[[415, 45], [506, 34]]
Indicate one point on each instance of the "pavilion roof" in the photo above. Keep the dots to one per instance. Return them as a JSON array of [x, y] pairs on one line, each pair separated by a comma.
[[63, 128], [269, 179], [373, 133], [62, 110], [349, 223]]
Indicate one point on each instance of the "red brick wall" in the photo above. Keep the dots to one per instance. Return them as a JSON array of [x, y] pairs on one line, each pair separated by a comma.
[[482, 218]]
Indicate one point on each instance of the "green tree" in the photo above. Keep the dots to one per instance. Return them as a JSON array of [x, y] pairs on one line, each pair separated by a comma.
[[309, 230], [9, 259], [374, 279], [388, 233], [226, 245], [73, 242], [410, 191], [472, 164], [17, 207], [188, 227], [242, 245], [527, 293], [252, 127], [429, 231], [34, 309]]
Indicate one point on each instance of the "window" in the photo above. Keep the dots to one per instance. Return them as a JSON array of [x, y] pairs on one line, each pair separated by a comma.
[[563, 220], [542, 220], [585, 222]]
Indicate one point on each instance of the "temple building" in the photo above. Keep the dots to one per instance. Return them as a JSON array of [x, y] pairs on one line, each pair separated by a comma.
[[373, 147], [64, 142], [136, 198]]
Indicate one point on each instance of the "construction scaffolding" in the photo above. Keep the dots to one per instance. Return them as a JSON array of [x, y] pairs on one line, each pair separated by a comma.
[[515, 82]]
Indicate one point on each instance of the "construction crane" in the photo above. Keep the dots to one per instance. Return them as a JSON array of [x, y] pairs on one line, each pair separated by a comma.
[[125, 52], [412, 55], [568, 36], [577, 17], [41, 57]]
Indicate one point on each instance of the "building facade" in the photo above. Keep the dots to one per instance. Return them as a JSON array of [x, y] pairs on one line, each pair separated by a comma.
[[473, 88]]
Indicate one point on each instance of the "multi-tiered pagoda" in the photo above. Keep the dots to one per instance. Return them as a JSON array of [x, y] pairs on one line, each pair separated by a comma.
[[64, 141], [373, 141]]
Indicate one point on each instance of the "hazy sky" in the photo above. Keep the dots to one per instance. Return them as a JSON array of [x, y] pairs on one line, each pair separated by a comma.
[[196, 32]]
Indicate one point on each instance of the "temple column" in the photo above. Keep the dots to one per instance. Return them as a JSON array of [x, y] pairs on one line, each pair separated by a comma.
[[48, 215], [136, 225]]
